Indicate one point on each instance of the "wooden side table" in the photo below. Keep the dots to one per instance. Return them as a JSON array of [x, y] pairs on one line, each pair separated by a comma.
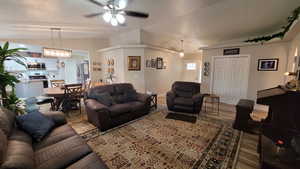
[[153, 102], [214, 100]]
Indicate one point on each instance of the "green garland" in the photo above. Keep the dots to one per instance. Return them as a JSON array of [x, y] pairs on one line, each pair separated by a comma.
[[291, 19]]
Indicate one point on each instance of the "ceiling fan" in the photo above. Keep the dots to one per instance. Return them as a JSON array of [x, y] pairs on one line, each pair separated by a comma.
[[114, 12]]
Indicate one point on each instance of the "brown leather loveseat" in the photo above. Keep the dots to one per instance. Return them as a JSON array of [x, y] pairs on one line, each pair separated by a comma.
[[123, 109], [61, 148]]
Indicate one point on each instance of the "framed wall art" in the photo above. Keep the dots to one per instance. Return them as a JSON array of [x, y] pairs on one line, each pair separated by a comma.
[[268, 64], [134, 63], [159, 63], [148, 63], [153, 63]]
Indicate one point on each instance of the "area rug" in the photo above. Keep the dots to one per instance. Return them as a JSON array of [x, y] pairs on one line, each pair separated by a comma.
[[182, 117], [160, 143]]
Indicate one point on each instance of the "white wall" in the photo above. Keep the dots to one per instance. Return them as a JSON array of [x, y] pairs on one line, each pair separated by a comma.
[[192, 75], [161, 80], [258, 80]]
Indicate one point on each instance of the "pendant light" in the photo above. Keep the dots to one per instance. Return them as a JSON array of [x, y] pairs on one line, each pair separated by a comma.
[[181, 53], [56, 52]]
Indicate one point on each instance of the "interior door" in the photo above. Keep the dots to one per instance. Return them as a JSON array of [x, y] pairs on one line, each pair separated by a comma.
[[230, 77]]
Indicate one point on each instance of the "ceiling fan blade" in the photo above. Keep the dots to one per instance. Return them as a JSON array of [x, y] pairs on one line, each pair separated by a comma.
[[136, 14], [97, 3], [93, 15]]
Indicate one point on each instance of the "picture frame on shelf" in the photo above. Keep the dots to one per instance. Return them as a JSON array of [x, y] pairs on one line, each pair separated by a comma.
[[134, 63], [148, 63], [153, 63], [268, 64], [159, 63]]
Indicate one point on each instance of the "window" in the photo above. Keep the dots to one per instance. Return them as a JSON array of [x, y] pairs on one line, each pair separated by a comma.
[[191, 66]]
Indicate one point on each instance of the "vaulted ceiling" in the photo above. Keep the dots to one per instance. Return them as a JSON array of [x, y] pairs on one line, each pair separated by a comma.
[[199, 22]]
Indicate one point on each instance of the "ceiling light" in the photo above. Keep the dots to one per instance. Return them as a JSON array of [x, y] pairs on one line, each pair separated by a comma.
[[181, 54], [107, 16], [121, 19], [54, 52], [114, 21], [122, 4]]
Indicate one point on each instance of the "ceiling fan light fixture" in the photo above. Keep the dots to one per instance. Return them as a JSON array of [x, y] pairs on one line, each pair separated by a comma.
[[107, 16], [114, 21], [121, 18], [122, 4]]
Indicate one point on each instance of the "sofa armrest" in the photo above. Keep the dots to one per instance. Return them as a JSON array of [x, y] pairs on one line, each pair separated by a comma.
[[98, 114], [59, 118], [143, 97], [95, 105], [197, 98], [170, 99]]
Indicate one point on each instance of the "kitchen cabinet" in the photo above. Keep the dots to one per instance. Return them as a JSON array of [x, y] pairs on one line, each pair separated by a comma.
[[31, 88]]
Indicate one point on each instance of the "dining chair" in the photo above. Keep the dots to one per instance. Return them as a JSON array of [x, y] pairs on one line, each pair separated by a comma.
[[57, 83], [72, 97]]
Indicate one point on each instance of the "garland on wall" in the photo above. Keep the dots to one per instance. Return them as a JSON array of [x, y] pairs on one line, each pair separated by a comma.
[[290, 21]]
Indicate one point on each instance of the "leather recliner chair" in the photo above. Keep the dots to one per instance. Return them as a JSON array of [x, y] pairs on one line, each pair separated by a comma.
[[185, 97]]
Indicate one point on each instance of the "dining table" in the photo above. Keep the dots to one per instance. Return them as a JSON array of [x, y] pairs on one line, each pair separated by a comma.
[[57, 93]]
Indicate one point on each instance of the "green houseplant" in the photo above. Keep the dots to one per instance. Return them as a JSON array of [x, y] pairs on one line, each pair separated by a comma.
[[9, 100]]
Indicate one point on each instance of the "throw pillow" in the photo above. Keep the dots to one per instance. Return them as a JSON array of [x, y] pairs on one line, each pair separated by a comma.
[[104, 98], [31, 105], [35, 124]]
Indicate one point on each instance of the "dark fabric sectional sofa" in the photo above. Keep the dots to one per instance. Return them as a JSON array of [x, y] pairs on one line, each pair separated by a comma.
[[124, 109], [61, 148]]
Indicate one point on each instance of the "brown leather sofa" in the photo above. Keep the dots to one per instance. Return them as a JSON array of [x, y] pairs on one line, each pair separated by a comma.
[[61, 148], [185, 97], [107, 117]]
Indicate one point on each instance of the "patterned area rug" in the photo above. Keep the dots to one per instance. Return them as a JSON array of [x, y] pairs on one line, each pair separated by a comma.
[[156, 142]]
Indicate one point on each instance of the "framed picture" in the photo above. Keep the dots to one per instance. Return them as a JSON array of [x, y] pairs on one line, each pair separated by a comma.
[[159, 63], [153, 63], [268, 64], [134, 63], [148, 63]]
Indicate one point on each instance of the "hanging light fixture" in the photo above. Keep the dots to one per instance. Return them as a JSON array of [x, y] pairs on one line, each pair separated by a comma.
[[113, 15], [56, 52], [181, 53]]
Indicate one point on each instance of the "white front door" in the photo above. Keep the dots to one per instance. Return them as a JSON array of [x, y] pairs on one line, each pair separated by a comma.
[[230, 77]]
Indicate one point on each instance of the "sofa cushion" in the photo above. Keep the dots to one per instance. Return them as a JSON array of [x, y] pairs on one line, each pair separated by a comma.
[[137, 106], [35, 124], [19, 155], [104, 98], [20, 135], [7, 120], [91, 161], [56, 135], [185, 94], [100, 89], [62, 154], [183, 101], [130, 96], [119, 109], [3, 146]]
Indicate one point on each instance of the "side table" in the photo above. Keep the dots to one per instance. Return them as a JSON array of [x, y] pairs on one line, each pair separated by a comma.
[[153, 102], [214, 100]]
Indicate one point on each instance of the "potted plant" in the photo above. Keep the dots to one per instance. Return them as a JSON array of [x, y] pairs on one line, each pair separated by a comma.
[[9, 100]]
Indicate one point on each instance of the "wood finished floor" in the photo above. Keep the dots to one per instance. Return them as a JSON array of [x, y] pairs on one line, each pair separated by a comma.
[[248, 157]]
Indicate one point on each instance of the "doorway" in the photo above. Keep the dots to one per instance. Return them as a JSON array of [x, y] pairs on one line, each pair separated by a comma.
[[230, 77]]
